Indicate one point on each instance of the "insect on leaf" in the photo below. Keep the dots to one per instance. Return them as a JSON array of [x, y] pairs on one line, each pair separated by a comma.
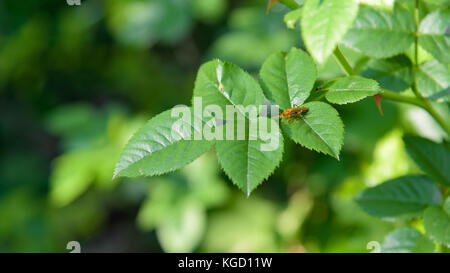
[[321, 129]]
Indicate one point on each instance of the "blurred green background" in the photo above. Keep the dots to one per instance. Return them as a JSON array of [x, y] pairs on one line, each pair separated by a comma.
[[77, 81]]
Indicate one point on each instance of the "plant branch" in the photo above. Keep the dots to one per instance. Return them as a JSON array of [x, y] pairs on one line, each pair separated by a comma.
[[401, 98], [430, 109], [419, 100], [342, 61], [426, 103]]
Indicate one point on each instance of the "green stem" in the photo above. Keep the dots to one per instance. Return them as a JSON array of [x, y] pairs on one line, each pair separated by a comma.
[[430, 109], [426, 103], [400, 98], [419, 100], [342, 61]]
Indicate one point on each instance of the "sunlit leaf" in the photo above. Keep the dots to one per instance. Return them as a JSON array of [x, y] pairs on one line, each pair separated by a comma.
[[324, 23], [245, 161], [183, 232], [444, 3], [160, 146], [406, 240], [242, 158], [72, 174], [381, 4], [351, 89], [291, 18], [437, 224], [287, 78], [381, 34], [434, 35], [223, 83], [433, 81]]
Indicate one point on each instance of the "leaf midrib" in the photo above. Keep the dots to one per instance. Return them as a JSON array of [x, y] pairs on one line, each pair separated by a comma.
[[353, 89], [156, 150], [326, 143]]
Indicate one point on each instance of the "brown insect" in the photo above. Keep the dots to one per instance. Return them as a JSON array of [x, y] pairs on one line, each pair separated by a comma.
[[294, 113]]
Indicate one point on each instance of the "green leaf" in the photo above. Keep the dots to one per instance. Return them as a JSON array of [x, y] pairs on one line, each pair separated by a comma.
[[437, 224], [321, 129], [291, 18], [184, 231], [432, 158], [381, 34], [140, 24], [433, 81], [324, 23], [351, 89], [245, 161], [444, 3], [380, 4], [161, 146], [447, 205], [406, 240], [287, 78], [399, 196], [393, 73], [292, 4], [434, 36], [209, 11], [65, 183], [222, 83]]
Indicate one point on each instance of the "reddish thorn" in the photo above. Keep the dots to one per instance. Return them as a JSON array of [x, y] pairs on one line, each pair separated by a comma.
[[270, 3], [378, 98]]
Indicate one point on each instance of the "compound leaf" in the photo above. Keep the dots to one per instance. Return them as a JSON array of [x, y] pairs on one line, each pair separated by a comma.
[[241, 156]]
